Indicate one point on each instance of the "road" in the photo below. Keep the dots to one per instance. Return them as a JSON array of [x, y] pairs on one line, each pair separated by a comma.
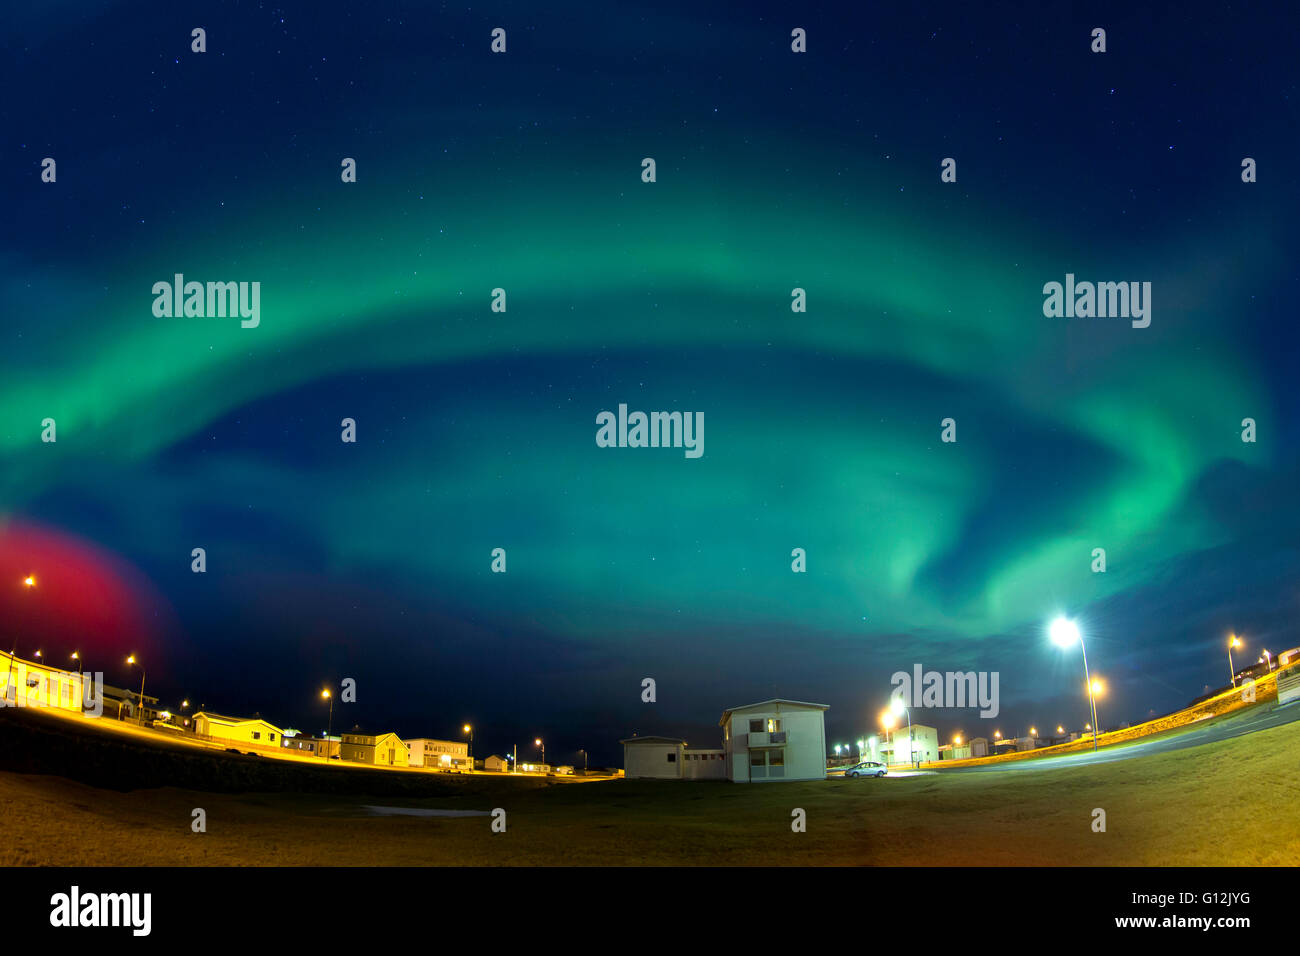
[[1234, 725]]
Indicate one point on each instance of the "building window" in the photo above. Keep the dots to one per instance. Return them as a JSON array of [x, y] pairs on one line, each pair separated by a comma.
[[776, 763], [756, 725], [672, 758], [257, 735], [773, 725]]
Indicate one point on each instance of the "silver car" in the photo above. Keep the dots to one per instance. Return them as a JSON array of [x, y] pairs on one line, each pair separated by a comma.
[[868, 768]]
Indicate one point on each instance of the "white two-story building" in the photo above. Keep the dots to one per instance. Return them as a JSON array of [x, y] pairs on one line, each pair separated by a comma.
[[775, 740]]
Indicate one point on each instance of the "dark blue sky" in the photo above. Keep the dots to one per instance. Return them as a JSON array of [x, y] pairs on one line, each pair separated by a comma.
[[476, 429]]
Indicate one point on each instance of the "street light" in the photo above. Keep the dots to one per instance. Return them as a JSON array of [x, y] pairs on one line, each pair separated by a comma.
[[1065, 634], [467, 729], [329, 728], [538, 743], [584, 759], [1233, 641], [131, 660], [29, 582], [898, 707], [76, 656]]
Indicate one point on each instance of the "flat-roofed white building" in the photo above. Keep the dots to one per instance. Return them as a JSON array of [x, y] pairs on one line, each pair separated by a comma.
[[775, 740], [652, 758]]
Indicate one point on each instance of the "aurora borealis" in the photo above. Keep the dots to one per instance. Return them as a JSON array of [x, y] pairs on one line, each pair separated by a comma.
[[475, 429]]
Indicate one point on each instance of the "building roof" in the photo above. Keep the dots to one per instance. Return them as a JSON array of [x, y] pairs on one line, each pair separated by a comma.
[[653, 740], [222, 719], [766, 703]]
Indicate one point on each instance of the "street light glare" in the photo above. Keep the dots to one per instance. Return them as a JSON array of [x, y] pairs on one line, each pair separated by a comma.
[[30, 580], [1064, 632]]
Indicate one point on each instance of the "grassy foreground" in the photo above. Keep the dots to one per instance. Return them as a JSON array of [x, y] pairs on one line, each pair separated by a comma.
[[1227, 803]]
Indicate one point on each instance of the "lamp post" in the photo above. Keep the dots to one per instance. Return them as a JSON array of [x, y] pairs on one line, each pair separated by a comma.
[[131, 660], [467, 729], [1233, 641], [584, 759], [329, 728], [76, 656], [1065, 634], [898, 707], [540, 743], [29, 582]]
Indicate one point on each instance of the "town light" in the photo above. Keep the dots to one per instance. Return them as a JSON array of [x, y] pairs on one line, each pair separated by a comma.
[[467, 729], [30, 580], [133, 662], [1233, 641], [1098, 688], [1065, 634]]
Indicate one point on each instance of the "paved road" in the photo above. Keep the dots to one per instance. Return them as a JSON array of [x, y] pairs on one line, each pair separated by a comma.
[[1237, 725]]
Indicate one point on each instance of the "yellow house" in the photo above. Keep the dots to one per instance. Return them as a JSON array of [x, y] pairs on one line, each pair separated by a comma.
[[35, 684], [382, 750], [241, 730]]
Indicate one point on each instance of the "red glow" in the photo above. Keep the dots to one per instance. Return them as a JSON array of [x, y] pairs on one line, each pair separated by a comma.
[[82, 599]]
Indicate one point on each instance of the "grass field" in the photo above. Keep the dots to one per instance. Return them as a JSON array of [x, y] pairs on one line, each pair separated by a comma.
[[1228, 803]]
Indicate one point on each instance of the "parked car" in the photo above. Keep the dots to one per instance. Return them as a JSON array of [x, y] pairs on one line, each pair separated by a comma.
[[868, 768]]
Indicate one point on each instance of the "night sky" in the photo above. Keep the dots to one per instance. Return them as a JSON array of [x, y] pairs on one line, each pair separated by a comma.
[[476, 430]]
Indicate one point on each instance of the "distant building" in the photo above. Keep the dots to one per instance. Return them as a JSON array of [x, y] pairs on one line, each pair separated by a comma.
[[125, 704], [1288, 686], [919, 744], [35, 684], [323, 747], [381, 750], [241, 730], [979, 746], [954, 751], [775, 740], [496, 764], [439, 754]]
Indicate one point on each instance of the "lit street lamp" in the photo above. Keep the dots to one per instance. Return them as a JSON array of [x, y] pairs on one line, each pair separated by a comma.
[[1065, 634], [538, 743], [329, 728], [898, 707], [467, 729], [1233, 641], [28, 582], [76, 656], [131, 660], [584, 760]]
